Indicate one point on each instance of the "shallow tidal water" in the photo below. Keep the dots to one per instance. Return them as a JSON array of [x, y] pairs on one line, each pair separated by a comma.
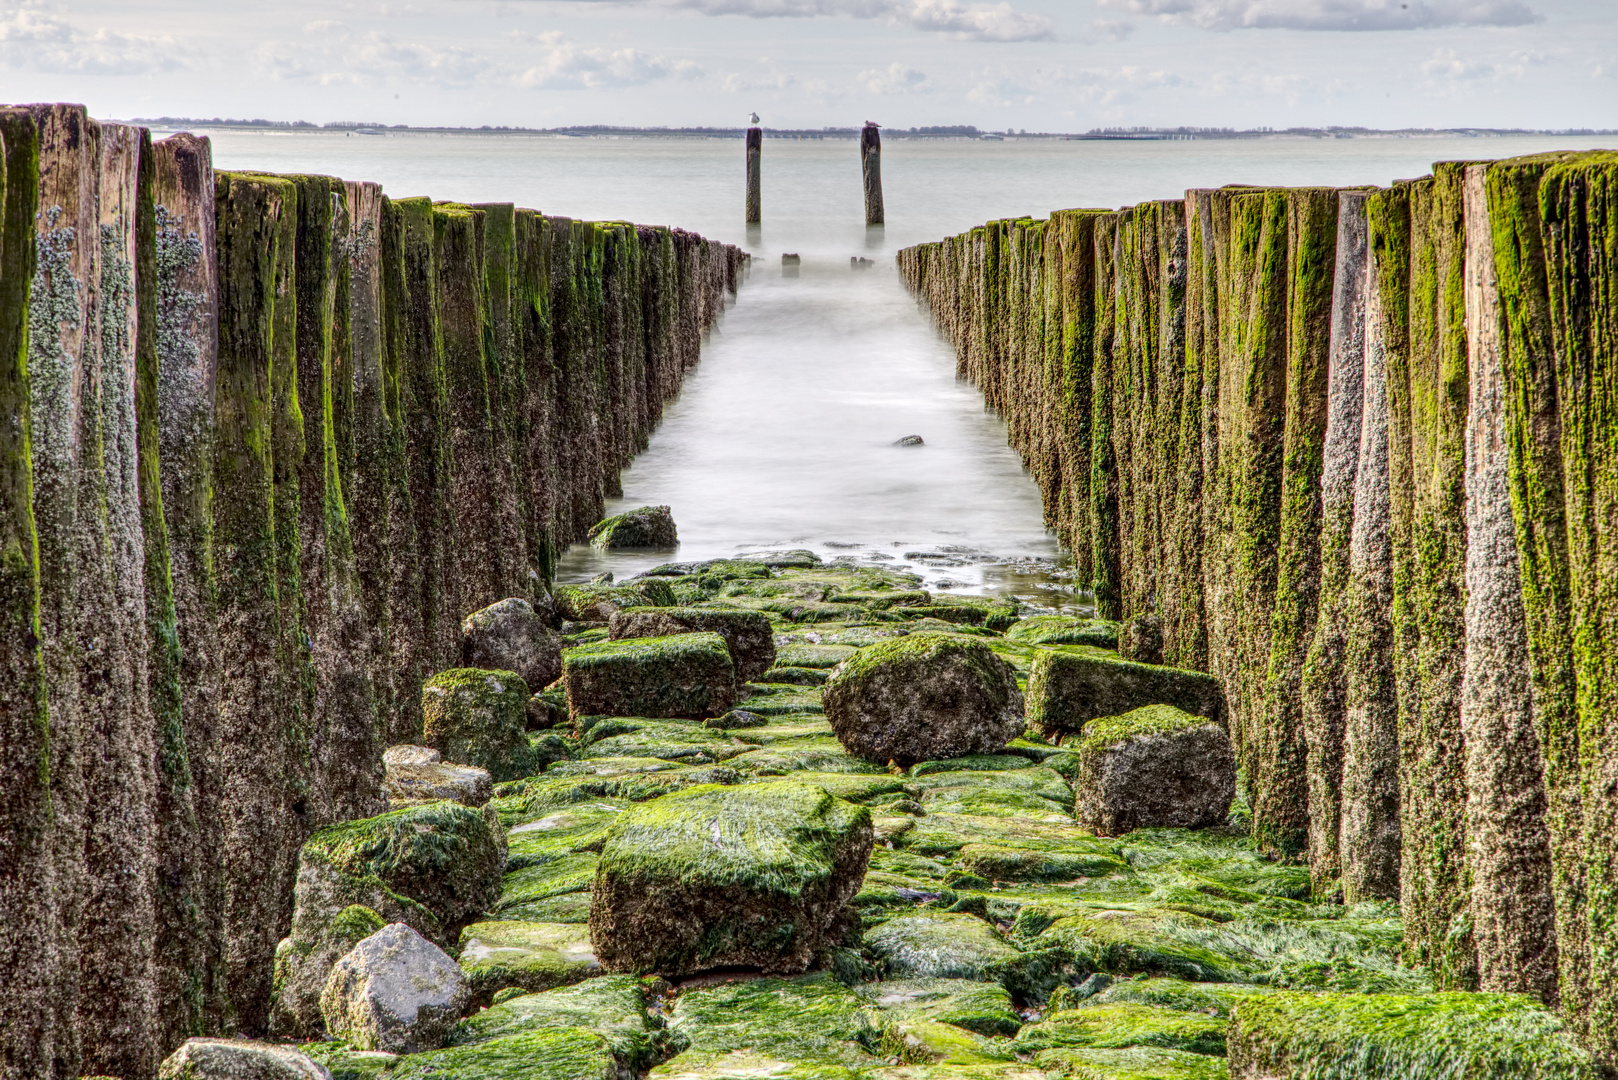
[[783, 436]]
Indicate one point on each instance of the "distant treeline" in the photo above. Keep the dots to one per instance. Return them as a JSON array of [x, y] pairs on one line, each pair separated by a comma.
[[945, 131]]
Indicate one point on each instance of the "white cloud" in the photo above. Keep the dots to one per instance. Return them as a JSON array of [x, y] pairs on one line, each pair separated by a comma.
[[1330, 14], [339, 58], [896, 78], [967, 21], [30, 38], [1111, 29], [569, 66]]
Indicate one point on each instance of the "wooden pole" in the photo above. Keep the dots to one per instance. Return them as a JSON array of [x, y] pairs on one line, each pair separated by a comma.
[[871, 161], [755, 149]]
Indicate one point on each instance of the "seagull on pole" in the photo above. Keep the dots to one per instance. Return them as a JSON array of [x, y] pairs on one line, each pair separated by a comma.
[[752, 118]]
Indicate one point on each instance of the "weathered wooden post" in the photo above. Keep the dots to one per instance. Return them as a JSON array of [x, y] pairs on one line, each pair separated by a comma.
[[871, 162], [755, 150]]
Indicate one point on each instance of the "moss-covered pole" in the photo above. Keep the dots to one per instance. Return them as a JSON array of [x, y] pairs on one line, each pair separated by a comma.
[[1324, 685], [1533, 426], [755, 198], [871, 170], [1513, 915], [185, 286], [117, 995], [61, 344], [1368, 828], [261, 722], [30, 921]]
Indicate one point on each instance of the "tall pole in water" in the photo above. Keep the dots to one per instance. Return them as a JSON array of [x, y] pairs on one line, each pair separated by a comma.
[[871, 162], [755, 150]]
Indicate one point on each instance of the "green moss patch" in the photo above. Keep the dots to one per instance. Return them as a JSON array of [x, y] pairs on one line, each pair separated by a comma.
[[981, 1007], [612, 1006], [799, 1023], [681, 675], [567, 1054], [1116, 1026], [531, 956]]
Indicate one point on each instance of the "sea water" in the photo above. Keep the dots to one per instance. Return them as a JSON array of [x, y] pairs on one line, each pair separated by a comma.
[[783, 437]]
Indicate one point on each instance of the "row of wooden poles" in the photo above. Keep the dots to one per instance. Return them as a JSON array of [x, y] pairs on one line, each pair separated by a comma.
[[1357, 451], [870, 169], [264, 442]]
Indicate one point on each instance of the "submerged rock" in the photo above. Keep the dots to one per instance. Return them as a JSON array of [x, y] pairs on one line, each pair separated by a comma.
[[480, 718], [238, 1059], [687, 676], [1155, 767], [531, 956], [303, 964], [1070, 688], [395, 991], [910, 440], [924, 697], [512, 636], [646, 527], [1367, 1036], [752, 876], [747, 634], [596, 603]]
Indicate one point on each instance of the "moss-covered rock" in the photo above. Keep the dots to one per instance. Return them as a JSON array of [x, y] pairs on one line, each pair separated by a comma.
[[961, 946], [996, 863], [444, 857], [346, 1063], [996, 615], [1115, 1026], [233, 1059], [478, 717], [531, 956], [394, 991], [612, 1006], [757, 876], [565, 1054], [1136, 1063], [1350, 1036], [918, 1040], [1155, 767], [981, 1007], [1064, 630], [685, 675], [646, 527], [803, 1028], [596, 603], [431, 781], [302, 965], [512, 636], [923, 697], [748, 634], [1069, 688]]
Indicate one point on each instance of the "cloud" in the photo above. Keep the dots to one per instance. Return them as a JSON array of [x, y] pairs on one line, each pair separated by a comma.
[[1330, 14], [340, 58], [1111, 29], [29, 38], [569, 66], [896, 78], [967, 21]]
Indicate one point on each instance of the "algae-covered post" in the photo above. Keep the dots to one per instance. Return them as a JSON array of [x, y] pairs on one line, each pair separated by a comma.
[[755, 151], [871, 166]]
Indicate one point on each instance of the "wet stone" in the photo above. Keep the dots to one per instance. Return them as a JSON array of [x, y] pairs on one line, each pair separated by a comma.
[[1068, 689], [681, 676], [512, 636], [646, 527], [1155, 767], [395, 991], [747, 634], [233, 1059], [477, 717]]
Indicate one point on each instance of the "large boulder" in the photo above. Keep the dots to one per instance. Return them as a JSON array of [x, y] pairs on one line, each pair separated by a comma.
[[645, 527], [395, 991], [747, 634], [512, 636], [478, 717], [1067, 689], [237, 1059], [753, 876], [923, 697], [419, 774], [303, 964], [1155, 767], [436, 866], [687, 676]]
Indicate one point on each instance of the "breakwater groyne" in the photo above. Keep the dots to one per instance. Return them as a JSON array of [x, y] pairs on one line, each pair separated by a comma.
[[1353, 451], [264, 441]]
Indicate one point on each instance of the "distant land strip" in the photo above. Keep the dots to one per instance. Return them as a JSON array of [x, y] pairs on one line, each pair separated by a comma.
[[951, 131]]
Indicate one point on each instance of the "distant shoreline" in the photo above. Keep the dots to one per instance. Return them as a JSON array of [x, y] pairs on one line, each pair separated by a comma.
[[966, 132]]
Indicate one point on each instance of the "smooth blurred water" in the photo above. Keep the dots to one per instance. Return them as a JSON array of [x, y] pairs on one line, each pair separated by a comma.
[[782, 436]]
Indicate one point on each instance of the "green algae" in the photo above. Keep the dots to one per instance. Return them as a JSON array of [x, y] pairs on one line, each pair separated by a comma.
[[612, 1006], [529, 956], [682, 675], [478, 717], [1116, 1026], [801, 1023], [562, 1054]]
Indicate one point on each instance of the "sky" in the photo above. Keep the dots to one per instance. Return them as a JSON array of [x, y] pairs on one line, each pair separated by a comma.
[[1035, 65]]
